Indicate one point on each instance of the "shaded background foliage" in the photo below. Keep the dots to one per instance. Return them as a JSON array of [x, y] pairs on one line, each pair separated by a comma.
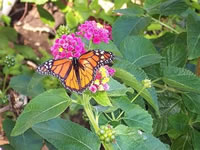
[[155, 39]]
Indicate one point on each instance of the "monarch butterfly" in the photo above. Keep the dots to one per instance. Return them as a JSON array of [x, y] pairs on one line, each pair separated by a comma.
[[77, 74]]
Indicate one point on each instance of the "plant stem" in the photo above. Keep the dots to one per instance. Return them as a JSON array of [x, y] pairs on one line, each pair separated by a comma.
[[167, 26], [137, 94], [107, 146], [158, 79], [88, 110], [4, 82], [165, 87], [131, 101], [108, 117], [90, 43], [113, 116]]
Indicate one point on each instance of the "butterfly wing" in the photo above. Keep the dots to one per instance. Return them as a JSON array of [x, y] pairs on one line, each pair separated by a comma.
[[63, 69], [59, 68], [89, 63], [77, 76]]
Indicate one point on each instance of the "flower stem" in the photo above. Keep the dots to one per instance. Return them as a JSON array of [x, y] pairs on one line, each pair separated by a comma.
[[90, 43], [88, 111], [131, 101], [165, 25], [94, 122], [165, 87], [158, 79], [138, 94], [4, 82]]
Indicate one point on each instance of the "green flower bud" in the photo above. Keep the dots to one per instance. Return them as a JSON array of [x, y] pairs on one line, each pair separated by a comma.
[[85, 117], [9, 61], [62, 30], [102, 131], [112, 137], [106, 134], [107, 140], [101, 138], [147, 83]]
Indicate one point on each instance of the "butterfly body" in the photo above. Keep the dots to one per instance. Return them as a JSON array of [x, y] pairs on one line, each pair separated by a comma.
[[76, 74]]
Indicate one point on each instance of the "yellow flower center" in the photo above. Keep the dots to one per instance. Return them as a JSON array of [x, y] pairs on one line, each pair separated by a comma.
[[60, 49]]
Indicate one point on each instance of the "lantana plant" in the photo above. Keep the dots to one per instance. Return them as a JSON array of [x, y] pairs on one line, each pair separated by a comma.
[[71, 45], [97, 101], [149, 99]]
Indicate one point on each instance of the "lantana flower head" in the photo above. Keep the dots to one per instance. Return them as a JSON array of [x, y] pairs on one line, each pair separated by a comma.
[[93, 31], [102, 78], [68, 46]]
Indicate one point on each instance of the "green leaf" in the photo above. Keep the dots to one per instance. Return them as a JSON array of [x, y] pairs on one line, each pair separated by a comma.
[[139, 51], [134, 116], [81, 5], [6, 19], [169, 103], [120, 3], [176, 53], [35, 86], [193, 36], [182, 79], [45, 16], [178, 143], [108, 18], [9, 33], [179, 122], [26, 51], [102, 98], [128, 138], [195, 139], [165, 40], [172, 7], [27, 85], [27, 141], [117, 89], [111, 47], [71, 19], [160, 126], [167, 7], [192, 102], [132, 76], [128, 25], [94, 5], [43, 107], [7, 147], [152, 6], [20, 83], [133, 11], [66, 135], [38, 2], [50, 146]]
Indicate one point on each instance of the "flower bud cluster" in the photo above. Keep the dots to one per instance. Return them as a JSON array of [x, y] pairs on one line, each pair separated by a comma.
[[9, 61], [62, 30], [147, 83], [84, 116], [106, 134]]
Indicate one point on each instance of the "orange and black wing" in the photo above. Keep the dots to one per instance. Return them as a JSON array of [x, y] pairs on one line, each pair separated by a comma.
[[89, 62], [77, 74], [59, 68], [63, 69]]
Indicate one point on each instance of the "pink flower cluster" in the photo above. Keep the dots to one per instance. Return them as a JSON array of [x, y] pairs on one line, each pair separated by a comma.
[[68, 46], [102, 78], [92, 31]]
